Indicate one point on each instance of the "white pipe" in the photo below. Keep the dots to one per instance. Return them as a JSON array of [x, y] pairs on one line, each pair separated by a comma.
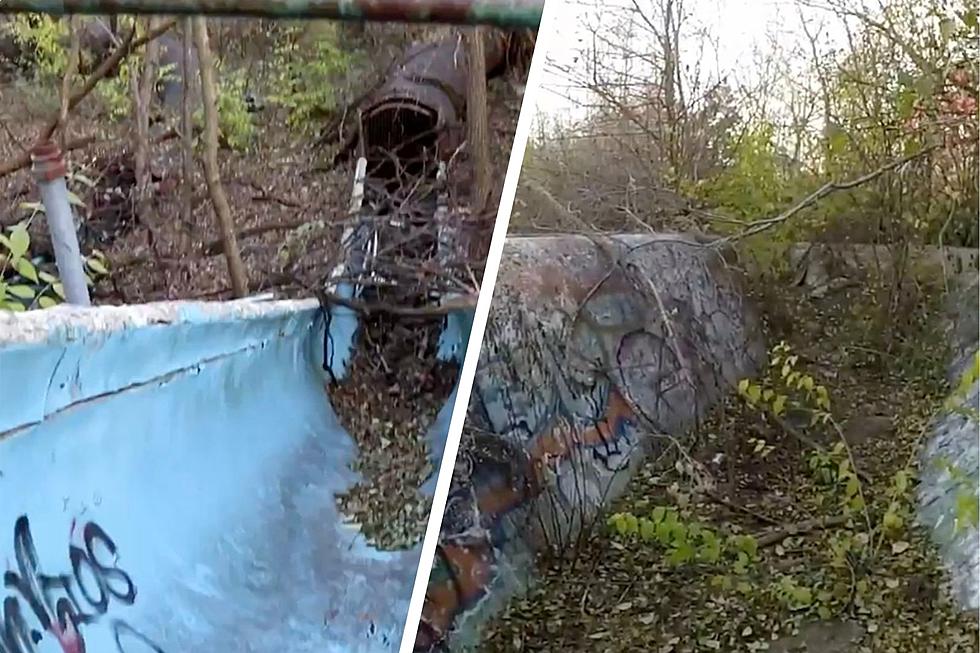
[[49, 170]]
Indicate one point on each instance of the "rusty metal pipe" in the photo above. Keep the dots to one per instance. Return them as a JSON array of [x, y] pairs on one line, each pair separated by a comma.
[[500, 13], [422, 98]]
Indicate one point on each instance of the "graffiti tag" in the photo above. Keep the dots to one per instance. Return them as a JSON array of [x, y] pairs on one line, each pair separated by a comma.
[[63, 603]]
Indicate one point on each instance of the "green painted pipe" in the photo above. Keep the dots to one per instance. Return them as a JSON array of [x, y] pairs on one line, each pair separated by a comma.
[[499, 13]]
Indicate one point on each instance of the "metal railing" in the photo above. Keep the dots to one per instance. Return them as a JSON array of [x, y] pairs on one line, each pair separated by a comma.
[[499, 13]]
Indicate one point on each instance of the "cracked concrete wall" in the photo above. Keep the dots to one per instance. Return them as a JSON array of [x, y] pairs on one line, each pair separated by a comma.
[[951, 460], [171, 469], [596, 353]]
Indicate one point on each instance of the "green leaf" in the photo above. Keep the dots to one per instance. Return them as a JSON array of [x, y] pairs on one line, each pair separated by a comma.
[[21, 291], [754, 394], [659, 513], [779, 405], [892, 522], [682, 553], [20, 241], [743, 386], [12, 306], [901, 481], [46, 277], [648, 530], [802, 597], [26, 269], [82, 179], [46, 302], [96, 266], [35, 207], [631, 524], [969, 18], [59, 289], [967, 509], [75, 200], [710, 551]]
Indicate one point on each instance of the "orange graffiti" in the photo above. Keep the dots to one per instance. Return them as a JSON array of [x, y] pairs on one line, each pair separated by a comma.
[[557, 444], [471, 567], [471, 571]]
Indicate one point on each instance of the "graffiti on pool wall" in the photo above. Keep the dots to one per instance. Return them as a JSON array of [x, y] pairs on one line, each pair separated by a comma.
[[60, 605], [554, 424], [579, 373]]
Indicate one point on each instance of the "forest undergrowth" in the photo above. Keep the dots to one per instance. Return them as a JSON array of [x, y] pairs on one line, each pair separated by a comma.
[[776, 530]]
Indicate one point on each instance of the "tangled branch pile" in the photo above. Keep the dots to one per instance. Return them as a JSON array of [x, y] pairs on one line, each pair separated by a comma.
[[406, 257]]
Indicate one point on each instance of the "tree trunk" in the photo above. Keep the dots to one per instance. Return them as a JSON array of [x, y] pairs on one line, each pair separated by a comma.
[[74, 52], [142, 84], [236, 268], [186, 127], [476, 117]]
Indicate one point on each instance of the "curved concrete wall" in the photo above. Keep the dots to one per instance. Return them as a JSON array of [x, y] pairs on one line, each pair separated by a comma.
[[951, 460], [167, 475], [594, 350]]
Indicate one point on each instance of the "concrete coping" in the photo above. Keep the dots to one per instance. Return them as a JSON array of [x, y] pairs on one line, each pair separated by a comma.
[[35, 327]]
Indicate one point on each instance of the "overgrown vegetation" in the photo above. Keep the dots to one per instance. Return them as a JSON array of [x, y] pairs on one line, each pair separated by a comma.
[[691, 148], [306, 74], [787, 520]]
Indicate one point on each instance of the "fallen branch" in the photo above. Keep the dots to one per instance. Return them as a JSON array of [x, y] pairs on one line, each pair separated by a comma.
[[266, 196], [717, 498], [778, 535], [24, 160], [461, 303], [216, 247], [814, 197]]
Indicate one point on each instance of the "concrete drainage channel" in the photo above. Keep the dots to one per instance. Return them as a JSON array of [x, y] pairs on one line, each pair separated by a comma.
[[171, 469], [589, 344], [592, 341], [951, 461]]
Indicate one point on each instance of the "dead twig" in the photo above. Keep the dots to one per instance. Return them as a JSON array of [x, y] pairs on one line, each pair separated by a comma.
[[216, 247], [24, 160], [435, 310], [128, 45], [799, 528], [73, 57], [717, 498]]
